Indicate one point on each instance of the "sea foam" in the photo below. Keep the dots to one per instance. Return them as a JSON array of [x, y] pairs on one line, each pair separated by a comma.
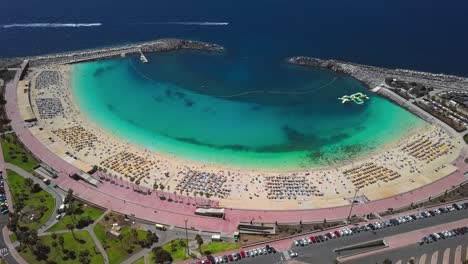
[[187, 23], [51, 25]]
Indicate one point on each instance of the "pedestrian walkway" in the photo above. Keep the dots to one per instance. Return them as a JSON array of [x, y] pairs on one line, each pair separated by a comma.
[[151, 208]]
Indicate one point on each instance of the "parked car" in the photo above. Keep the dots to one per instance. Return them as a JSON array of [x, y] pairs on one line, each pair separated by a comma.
[[337, 233]]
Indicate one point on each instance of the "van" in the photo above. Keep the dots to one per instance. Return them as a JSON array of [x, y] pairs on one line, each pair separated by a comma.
[[62, 208], [216, 238], [160, 227]]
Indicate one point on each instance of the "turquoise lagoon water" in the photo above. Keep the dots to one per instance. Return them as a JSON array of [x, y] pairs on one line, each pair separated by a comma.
[[239, 111]]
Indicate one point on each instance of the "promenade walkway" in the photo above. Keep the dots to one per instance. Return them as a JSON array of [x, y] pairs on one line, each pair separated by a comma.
[[151, 208]]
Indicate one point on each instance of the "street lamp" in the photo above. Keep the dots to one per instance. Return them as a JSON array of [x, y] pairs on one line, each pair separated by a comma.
[[186, 237]]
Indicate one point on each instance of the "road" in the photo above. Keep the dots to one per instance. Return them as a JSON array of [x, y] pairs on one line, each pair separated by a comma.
[[422, 253], [323, 253], [4, 218], [56, 193]]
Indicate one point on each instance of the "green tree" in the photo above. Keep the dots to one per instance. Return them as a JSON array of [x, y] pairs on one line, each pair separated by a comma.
[[199, 240], [13, 223], [161, 255], [41, 251], [84, 257], [28, 183], [61, 241]]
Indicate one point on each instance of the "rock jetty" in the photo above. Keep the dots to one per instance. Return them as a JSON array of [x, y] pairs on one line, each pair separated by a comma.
[[374, 76], [162, 45]]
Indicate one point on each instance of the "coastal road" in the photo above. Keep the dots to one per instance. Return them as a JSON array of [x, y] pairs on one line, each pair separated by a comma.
[[457, 248], [323, 252]]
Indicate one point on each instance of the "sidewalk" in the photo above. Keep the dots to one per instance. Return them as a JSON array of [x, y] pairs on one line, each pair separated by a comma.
[[6, 237]]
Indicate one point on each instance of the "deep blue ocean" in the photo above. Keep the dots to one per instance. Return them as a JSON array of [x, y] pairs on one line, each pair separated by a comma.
[[424, 35]]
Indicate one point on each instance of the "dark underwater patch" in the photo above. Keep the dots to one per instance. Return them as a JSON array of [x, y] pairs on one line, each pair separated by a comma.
[[101, 70], [189, 103]]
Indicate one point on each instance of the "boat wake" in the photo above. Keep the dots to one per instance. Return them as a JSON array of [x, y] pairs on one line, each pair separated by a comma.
[[51, 25], [187, 23]]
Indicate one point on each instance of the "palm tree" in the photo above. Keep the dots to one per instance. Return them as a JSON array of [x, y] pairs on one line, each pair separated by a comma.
[[28, 182], [61, 241], [71, 227]]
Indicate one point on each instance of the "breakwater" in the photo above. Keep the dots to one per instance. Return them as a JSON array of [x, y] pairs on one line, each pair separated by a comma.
[[374, 76], [162, 45]]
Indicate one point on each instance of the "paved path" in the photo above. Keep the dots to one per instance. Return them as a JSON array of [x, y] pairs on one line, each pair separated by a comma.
[[90, 230], [14, 254], [149, 207]]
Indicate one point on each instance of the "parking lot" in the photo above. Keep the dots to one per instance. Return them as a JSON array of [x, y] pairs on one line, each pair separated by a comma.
[[323, 252]]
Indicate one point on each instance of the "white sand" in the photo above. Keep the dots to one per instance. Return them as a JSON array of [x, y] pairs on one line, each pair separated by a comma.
[[232, 186]]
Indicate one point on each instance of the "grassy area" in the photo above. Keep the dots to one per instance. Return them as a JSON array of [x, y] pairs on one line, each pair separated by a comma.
[[140, 261], [70, 243], [217, 247], [180, 252], [13, 238], [14, 153], [119, 249], [41, 199], [87, 211]]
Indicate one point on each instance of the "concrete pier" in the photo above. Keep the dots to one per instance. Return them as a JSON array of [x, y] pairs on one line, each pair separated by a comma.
[[143, 57]]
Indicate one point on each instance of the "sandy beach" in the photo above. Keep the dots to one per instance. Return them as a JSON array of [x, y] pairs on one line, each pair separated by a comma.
[[424, 155]]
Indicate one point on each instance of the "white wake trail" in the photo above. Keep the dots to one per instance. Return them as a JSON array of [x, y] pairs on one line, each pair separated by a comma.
[[187, 23], [51, 25]]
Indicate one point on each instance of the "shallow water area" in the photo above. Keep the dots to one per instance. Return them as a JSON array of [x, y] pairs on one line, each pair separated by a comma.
[[237, 111]]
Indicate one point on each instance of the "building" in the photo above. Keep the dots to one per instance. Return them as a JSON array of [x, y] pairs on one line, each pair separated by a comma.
[[44, 171], [81, 175], [211, 212]]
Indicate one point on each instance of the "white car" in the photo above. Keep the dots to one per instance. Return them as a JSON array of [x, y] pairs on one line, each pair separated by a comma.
[[292, 254], [309, 240], [342, 232], [296, 243]]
